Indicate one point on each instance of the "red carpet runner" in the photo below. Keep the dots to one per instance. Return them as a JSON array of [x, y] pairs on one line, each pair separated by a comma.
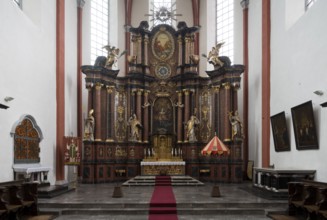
[[163, 203]]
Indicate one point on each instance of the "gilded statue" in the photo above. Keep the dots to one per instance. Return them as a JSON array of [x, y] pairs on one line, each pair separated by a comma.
[[113, 55], [237, 127], [213, 56], [190, 128], [89, 127], [136, 127]]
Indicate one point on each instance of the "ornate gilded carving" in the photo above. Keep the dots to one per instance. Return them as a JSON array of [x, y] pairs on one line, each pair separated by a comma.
[[120, 152], [165, 169], [120, 126], [213, 56], [205, 114], [113, 55], [98, 86]]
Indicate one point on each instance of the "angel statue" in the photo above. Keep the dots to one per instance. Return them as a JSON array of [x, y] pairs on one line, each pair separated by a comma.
[[113, 55], [213, 56]]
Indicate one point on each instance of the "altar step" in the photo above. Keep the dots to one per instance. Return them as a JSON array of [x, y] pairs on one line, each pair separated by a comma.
[[50, 191], [151, 181]]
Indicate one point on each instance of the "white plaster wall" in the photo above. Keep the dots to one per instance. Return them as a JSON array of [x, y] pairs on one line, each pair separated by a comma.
[[139, 9], [121, 35], [86, 51], [70, 68], [184, 7], [207, 36], [28, 73], [255, 69], [298, 68], [238, 49]]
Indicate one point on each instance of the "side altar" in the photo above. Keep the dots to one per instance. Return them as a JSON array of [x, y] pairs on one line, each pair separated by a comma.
[[157, 116]]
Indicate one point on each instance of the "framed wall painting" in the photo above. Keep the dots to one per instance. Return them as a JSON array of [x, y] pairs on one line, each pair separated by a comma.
[[280, 132], [304, 127]]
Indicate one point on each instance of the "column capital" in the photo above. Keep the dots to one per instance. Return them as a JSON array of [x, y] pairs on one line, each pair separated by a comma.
[[226, 85], [110, 89], [98, 86], [216, 89], [186, 91], [89, 86], [80, 3], [245, 4], [139, 91]]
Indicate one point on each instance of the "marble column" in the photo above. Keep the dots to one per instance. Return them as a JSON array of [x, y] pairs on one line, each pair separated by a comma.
[[216, 110], [179, 117], [97, 111], [89, 87], [187, 49], [146, 48], [139, 104], [180, 50], [110, 113], [139, 50], [226, 110], [186, 110], [146, 116]]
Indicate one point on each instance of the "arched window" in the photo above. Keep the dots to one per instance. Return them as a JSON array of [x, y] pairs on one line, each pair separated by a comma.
[[27, 137], [99, 28], [225, 27]]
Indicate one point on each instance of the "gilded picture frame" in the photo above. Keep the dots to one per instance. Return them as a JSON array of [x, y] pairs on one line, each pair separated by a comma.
[[304, 127], [280, 132], [163, 45]]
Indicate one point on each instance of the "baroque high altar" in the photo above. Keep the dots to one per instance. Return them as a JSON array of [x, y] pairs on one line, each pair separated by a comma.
[[157, 118]]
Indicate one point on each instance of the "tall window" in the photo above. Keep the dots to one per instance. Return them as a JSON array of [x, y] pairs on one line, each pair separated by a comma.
[[309, 3], [162, 12], [99, 28], [225, 27]]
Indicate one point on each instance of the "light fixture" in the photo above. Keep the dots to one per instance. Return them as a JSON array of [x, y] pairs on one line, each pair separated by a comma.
[[318, 92], [8, 99]]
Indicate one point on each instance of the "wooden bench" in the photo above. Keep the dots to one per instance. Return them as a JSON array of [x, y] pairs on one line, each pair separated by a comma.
[[308, 198], [18, 198]]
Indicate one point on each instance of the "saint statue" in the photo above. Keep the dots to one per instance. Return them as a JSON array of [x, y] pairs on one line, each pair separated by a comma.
[[135, 128], [190, 128], [89, 127], [237, 127]]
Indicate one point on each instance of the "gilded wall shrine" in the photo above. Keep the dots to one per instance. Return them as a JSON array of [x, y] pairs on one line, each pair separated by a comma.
[[161, 110]]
